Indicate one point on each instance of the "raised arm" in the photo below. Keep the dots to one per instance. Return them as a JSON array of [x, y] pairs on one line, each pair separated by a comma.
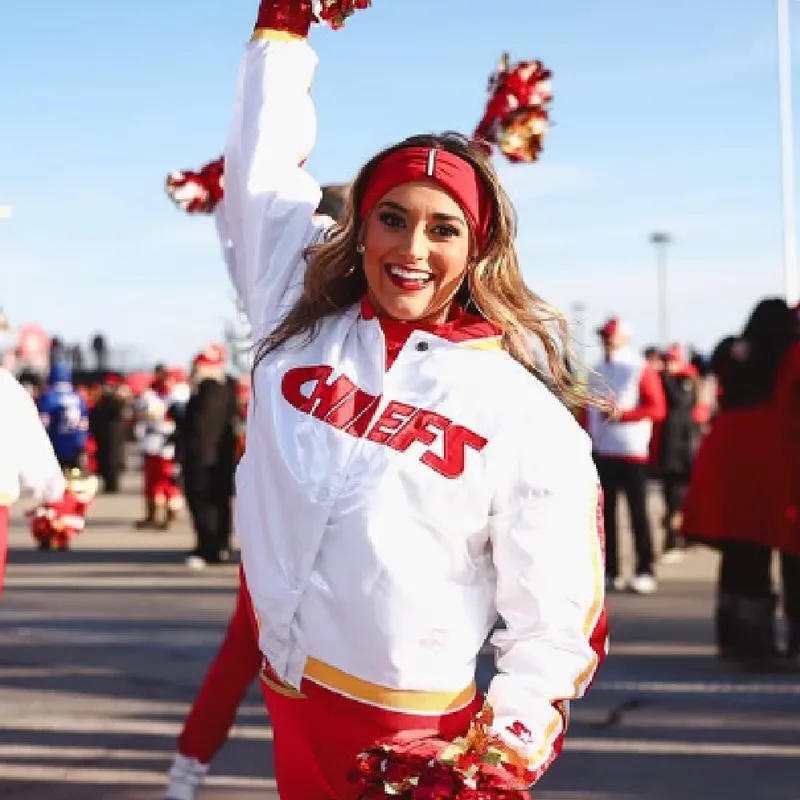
[[270, 200]]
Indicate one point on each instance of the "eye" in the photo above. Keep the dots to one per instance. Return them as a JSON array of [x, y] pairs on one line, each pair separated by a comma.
[[446, 231], [391, 219]]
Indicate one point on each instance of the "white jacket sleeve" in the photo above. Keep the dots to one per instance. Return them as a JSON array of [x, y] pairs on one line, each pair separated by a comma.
[[28, 445], [548, 551], [269, 200], [226, 247]]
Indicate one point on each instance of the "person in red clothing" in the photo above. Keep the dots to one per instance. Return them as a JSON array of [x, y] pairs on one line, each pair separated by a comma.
[[621, 444], [787, 401], [742, 497]]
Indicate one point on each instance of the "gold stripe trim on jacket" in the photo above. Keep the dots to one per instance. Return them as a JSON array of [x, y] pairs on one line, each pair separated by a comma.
[[279, 686], [485, 344], [269, 34], [408, 701]]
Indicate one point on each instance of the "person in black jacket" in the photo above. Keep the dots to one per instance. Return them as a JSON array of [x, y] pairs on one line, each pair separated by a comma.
[[107, 425], [207, 446], [678, 439]]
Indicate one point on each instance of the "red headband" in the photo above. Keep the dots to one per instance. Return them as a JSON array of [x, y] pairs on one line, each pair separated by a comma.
[[455, 175]]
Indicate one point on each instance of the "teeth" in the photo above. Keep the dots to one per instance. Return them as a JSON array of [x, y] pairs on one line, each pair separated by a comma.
[[409, 274]]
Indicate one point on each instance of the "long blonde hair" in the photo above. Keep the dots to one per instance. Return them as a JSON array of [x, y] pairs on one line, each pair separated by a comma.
[[334, 279]]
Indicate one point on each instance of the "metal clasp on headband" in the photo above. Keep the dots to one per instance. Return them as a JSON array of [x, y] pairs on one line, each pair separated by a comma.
[[430, 169]]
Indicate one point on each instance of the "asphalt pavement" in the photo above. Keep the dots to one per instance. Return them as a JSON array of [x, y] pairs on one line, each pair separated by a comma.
[[102, 649]]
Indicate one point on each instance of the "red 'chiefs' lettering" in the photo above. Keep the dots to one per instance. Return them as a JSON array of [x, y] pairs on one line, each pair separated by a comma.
[[394, 417], [294, 381], [355, 413], [456, 441], [418, 429], [340, 403]]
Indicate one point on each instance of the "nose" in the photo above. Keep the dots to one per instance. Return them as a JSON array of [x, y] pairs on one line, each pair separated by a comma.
[[416, 243]]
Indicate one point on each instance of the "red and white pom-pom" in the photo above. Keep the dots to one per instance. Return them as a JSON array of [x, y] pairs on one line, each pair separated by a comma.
[[197, 192], [522, 135], [58, 522], [516, 117], [335, 12], [478, 766]]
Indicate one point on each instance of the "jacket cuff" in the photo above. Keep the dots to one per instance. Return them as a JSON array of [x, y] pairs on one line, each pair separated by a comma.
[[283, 19]]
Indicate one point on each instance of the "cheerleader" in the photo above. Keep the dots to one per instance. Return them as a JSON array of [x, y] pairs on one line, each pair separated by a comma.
[[27, 459], [407, 477]]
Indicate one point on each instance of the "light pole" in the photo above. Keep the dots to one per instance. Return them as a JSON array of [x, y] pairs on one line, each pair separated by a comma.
[[661, 241], [787, 153]]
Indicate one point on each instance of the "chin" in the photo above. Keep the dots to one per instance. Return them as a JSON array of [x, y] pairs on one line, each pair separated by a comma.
[[406, 311]]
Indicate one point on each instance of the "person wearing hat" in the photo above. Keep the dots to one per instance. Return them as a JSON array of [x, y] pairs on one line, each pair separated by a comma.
[[162, 495], [207, 450], [64, 415], [621, 445]]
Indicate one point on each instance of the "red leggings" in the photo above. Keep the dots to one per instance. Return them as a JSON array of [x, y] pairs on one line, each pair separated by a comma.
[[234, 668], [318, 737], [159, 485]]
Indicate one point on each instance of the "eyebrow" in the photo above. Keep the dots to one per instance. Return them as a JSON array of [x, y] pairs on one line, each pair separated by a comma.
[[438, 215]]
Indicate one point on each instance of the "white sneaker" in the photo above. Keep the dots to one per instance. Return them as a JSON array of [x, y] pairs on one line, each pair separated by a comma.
[[185, 777], [643, 584], [196, 562], [615, 584]]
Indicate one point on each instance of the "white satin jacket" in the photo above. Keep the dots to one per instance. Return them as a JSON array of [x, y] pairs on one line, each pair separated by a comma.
[[387, 516]]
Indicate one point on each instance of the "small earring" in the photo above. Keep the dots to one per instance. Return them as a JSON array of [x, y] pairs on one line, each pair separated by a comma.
[[360, 248]]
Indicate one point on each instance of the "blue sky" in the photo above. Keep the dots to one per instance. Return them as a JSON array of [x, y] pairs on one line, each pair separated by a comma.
[[665, 117]]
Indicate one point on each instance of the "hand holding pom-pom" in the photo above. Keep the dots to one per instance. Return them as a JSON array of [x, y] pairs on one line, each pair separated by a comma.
[[296, 16], [335, 12], [197, 192], [417, 765]]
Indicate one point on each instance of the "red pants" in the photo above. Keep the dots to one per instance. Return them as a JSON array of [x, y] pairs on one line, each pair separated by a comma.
[[159, 484], [3, 543], [234, 668], [317, 737]]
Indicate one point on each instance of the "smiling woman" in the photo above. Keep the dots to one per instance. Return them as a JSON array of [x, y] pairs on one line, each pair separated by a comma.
[[416, 247], [406, 477]]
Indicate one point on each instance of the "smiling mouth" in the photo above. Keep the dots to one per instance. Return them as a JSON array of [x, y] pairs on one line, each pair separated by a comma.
[[411, 280]]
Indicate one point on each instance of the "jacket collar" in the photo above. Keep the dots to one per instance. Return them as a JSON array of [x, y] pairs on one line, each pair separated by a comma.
[[461, 327]]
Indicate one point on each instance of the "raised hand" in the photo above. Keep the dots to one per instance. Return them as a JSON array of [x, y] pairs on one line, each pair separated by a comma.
[[335, 12], [197, 192], [295, 16]]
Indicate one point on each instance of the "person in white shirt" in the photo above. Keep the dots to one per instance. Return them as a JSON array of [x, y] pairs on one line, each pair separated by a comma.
[[407, 476], [27, 459], [621, 444]]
